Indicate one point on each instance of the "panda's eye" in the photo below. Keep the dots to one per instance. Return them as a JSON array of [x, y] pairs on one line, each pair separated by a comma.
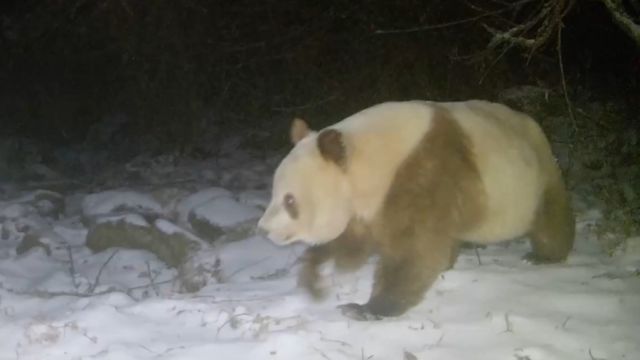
[[290, 205]]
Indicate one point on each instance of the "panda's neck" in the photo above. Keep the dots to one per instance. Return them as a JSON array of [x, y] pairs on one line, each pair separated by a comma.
[[375, 156]]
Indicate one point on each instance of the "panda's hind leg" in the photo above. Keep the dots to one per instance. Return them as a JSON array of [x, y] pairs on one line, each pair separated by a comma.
[[553, 229]]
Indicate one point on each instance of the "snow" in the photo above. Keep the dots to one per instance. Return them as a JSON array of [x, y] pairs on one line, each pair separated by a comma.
[[123, 304], [108, 201], [133, 219], [225, 212], [198, 198]]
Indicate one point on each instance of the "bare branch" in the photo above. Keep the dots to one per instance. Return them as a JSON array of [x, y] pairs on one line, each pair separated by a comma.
[[623, 19], [545, 21], [152, 279], [92, 289], [564, 79], [452, 23], [72, 268], [437, 26], [509, 36]]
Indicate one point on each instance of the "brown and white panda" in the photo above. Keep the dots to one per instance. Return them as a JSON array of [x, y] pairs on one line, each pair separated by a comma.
[[409, 181]]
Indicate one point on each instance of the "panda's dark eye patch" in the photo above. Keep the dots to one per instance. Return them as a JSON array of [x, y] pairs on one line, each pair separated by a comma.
[[290, 205]]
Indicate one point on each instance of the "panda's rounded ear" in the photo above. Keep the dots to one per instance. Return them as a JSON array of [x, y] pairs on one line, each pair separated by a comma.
[[299, 130], [332, 148]]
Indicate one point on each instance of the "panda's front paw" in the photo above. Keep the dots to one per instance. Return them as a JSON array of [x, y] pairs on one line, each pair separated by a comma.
[[316, 291], [358, 312], [310, 280]]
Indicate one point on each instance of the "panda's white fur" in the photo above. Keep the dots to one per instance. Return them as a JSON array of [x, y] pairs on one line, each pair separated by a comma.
[[329, 214], [378, 139], [409, 181], [512, 156]]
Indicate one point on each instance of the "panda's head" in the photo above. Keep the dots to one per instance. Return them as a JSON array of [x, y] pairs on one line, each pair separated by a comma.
[[310, 199]]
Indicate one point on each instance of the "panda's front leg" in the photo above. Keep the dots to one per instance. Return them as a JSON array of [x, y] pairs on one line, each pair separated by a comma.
[[400, 282], [348, 251], [309, 277]]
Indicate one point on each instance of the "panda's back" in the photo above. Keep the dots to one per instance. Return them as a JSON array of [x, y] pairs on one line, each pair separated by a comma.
[[510, 152], [514, 162]]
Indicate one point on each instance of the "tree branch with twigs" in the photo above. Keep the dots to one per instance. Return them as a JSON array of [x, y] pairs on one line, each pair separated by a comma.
[[544, 18], [536, 29], [623, 19], [533, 31]]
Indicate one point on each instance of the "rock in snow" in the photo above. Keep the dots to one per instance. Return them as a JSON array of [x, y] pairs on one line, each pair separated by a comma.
[[223, 216]]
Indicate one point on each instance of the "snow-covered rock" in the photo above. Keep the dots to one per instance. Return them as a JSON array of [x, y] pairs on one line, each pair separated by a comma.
[[118, 201], [133, 232], [224, 216], [187, 204]]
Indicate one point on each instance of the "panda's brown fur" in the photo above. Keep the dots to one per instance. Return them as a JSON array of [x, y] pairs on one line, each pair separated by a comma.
[[436, 197]]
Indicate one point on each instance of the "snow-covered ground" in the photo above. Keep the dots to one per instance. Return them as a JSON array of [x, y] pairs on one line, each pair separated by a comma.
[[59, 300]]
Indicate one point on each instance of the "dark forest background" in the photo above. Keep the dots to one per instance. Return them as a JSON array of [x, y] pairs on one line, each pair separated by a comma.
[[114, 79], [175, 68]]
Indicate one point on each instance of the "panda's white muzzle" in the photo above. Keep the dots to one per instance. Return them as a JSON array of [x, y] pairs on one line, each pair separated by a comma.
[[268, 226]]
